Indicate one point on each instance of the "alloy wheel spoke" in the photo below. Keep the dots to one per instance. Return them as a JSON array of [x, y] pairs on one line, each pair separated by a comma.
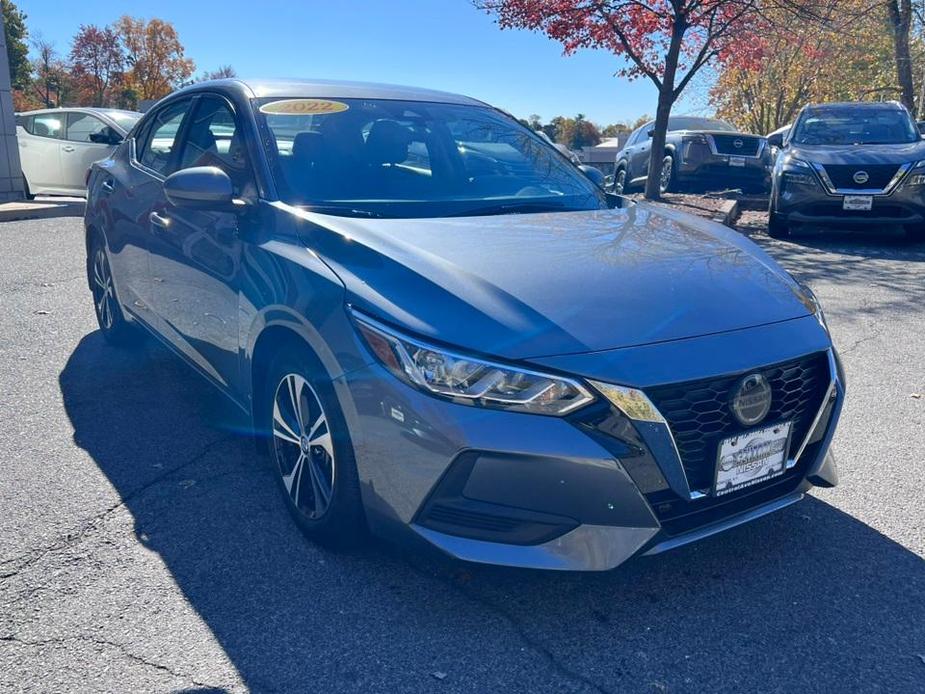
[[321, 489], [295, 396], [294, 478], [323, 441], [281, 428]]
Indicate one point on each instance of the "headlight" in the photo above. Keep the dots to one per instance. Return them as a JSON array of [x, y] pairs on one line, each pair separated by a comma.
[[469, 380], [796, 163], [814, 305]]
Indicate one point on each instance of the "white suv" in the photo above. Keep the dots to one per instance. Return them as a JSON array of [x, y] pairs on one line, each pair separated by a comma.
[[57, 146]]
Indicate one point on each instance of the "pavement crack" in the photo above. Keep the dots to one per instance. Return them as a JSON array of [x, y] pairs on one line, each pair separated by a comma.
[[15, 565], [532, 643], [86, 638]]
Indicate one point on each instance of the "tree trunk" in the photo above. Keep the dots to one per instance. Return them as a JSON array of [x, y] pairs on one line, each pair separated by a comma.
[[900, 15], [666, 99]]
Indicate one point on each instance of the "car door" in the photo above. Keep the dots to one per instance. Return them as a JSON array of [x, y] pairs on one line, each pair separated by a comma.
[[40, 151], [130, 190], [196, 253], [86, 140], [640, 161]]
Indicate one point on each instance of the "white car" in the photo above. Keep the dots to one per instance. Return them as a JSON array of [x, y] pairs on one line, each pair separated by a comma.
[[57, 146]]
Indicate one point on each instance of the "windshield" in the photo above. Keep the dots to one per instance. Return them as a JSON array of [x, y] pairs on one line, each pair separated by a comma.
[[692, 123], [382, 158], [855, 126]]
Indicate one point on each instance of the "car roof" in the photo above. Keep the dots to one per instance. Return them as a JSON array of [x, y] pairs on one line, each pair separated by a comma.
[[856, 104], [329, 89]]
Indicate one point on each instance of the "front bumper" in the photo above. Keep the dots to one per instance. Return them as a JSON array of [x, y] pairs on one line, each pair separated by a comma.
[[804, 204], [698, 164], [562, 493]]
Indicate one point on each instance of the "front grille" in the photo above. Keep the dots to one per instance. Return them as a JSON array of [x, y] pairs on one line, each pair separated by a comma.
[[726, 144], [878, 176], [699, 415]]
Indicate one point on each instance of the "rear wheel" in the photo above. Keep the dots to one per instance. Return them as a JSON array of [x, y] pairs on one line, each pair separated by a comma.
[[309, 448], [778, 228], [916, 233], [109, 316]]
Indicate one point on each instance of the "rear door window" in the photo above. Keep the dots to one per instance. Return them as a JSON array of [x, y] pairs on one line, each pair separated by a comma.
[[82, 127], [48, 125]]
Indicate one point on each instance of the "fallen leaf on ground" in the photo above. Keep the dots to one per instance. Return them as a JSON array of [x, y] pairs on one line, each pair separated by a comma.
[[438, 675]]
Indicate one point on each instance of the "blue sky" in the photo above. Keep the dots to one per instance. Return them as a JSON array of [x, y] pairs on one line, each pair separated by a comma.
[[443, 44]]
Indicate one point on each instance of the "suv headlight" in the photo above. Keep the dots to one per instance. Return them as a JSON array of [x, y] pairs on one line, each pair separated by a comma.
[[797, 171], [471, 380], [917, 177]]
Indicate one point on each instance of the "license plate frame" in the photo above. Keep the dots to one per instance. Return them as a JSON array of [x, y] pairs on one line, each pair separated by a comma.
[[738, 162], [762, 453], [858, 203]]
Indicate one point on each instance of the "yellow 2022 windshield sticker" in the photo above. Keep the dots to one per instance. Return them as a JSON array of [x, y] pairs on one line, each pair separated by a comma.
[[303, 107]]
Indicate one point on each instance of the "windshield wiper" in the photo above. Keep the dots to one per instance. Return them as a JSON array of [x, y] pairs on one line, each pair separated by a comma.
[[343, 211], [511, 208]]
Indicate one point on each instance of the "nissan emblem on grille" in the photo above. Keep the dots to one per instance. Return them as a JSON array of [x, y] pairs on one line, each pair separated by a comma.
[[738, 144], [751, 400], [861, 177]]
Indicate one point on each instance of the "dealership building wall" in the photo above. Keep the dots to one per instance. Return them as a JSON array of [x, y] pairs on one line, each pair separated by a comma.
[[11, 182]]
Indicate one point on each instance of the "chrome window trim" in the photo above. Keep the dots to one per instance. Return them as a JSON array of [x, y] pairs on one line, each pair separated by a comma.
[[888, 190]]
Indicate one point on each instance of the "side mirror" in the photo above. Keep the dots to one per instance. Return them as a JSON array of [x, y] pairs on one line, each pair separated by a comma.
[[200, 188], [650, 132], [776, 140], [594, 175]]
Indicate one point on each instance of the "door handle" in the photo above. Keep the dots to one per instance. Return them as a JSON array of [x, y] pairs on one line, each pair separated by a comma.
[[159, 221], [108, 186], [68, 148]]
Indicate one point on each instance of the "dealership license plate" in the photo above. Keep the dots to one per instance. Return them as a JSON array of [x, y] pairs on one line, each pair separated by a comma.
[[752, 457], [858, 203], [737, 161]]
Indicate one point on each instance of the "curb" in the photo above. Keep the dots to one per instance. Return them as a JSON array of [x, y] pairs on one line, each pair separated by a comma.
[[728, 213]]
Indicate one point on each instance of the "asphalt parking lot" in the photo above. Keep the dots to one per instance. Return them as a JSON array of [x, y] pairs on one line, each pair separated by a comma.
[[142, 549]]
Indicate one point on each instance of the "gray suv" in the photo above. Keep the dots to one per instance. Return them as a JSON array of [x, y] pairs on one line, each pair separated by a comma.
[[705, 151], [850, 164]]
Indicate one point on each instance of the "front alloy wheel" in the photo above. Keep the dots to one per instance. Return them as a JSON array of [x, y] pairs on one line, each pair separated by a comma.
[[664, 180], [619, 182], [303, 447]]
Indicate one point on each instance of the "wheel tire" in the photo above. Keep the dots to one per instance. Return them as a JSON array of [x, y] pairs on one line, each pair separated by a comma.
[[778, 228], [116, 330], [322, 460], [916, 233], [619, 181], [666, 179]]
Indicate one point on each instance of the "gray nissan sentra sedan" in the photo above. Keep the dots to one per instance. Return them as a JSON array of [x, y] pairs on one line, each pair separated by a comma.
[[445, 333]]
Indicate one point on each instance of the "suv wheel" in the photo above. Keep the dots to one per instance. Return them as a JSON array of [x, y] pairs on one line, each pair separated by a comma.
[[666, 177], [309, 449], [619, 181], [113, 325], [778, 228]]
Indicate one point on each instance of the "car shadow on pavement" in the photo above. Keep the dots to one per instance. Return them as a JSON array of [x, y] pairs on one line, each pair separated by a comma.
[[807, 599]]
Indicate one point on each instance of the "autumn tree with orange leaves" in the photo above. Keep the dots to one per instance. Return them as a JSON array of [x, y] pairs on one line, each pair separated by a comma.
[[154, 57], [665, 41]]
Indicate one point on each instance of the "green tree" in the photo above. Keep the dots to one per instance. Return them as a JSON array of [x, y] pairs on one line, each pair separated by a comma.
[[15, 32]]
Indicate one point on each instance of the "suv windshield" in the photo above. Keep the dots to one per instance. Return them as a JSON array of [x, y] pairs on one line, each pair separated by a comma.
[[383, 158], [855, 125]]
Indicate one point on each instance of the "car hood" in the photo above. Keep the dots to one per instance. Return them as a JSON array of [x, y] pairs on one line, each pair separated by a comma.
[[833, 155], [520, 286]]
